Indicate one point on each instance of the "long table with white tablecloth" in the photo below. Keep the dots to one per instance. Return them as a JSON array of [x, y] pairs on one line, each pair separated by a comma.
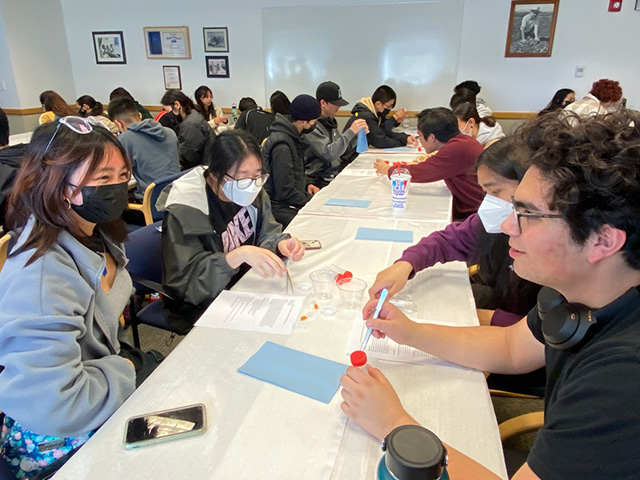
[[257, 430]]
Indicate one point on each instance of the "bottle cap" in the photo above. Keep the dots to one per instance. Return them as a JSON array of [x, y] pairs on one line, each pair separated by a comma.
[[413, 452], [358, 358]]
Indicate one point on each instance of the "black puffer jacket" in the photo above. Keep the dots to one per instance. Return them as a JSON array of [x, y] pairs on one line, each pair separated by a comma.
[[380, 134]]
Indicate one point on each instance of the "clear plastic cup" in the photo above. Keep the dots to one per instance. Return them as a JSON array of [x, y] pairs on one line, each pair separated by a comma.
[[400, 181], [323, 284], [351, 291]]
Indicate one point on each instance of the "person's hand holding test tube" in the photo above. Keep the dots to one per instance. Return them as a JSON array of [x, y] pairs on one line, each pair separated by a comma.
[[383, 297]]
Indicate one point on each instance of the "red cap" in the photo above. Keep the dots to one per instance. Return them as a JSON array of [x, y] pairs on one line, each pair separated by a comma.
[[358, 358]]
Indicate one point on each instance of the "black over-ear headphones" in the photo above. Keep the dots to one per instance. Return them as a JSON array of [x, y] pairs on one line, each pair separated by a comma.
[[564, 324]]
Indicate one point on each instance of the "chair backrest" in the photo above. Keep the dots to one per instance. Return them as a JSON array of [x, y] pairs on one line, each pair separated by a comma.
[[6, 242], [151, 194], [144, 250], [158, 186]]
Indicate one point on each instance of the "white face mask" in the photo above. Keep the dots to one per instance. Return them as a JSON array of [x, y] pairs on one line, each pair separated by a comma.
[[239, 196], [462, 130], [493, 211]]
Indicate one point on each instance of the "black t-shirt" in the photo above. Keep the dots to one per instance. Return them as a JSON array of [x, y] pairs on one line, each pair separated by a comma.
[[592, 401], [231, 221]]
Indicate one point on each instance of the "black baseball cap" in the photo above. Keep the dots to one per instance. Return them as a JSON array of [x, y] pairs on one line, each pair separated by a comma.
[[330, 92]]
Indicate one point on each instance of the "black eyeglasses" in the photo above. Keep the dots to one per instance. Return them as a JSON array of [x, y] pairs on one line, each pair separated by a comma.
[[244, 183], [79, 125], [530, 215]]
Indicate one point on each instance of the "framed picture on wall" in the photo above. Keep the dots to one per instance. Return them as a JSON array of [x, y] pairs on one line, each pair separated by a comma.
[[167, 42], [532, 25], [172, 78], [109, 47], [217, 67], [216, 39], [637, 4]]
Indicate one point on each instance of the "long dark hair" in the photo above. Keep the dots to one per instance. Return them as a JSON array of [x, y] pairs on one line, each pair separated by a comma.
[[96, 107], [207, 112], [506, 158], [279, 102], [53, 102], [172, 96], [39, 189], [556, 101], [229, 149], [466, 111]]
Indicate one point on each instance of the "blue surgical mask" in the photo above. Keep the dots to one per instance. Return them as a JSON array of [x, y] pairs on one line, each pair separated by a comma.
[[492, 212]]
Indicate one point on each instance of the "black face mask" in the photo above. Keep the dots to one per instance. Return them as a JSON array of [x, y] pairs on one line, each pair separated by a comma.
[[102, 203], [385, 112], [308, 130], [82, 112]]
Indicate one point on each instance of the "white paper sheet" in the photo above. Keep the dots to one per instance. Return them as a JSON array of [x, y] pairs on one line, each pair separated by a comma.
[[387, 349], [359, 172], [258, 312]]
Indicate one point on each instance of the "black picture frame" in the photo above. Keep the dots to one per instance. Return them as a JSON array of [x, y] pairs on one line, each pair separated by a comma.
[[217, 66], [108, 48], [216, 39]]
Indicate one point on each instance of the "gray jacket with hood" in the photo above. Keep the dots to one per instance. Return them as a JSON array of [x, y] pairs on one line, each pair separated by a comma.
[[59, 340], [153, 150], [326, 146], [195, 265]]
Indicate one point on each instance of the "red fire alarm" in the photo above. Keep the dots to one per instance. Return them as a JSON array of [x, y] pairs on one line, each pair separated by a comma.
[[615, 5]]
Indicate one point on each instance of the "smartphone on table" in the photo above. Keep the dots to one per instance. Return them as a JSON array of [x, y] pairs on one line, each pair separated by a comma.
[[311, 244], [166, 425]]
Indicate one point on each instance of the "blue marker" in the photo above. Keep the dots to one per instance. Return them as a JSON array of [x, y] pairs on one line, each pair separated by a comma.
[[383, 297]]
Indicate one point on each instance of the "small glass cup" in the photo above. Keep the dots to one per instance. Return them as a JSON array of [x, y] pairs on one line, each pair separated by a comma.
[[322, 284], [351, 291]]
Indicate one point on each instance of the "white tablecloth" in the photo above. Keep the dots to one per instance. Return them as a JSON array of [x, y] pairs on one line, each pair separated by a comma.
[[257, 430]]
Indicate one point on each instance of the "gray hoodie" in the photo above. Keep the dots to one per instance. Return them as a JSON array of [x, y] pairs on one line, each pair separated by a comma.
[[153, 150], [60, 339]]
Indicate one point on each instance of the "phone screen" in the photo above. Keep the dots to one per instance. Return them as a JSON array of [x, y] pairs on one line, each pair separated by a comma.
[[165, 425]]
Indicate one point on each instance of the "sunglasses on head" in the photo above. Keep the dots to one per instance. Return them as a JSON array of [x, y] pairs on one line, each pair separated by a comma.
[[79, 125]]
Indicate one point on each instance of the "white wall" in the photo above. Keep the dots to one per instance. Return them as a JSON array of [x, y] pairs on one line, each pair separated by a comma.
[[38, 54], [8, 97], [586, 34], [606, 43]]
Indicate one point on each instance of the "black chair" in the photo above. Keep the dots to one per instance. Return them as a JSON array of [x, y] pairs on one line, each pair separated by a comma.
[[144, 249]]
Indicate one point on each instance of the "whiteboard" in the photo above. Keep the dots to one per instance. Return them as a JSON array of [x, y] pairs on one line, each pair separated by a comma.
[[413, 48]]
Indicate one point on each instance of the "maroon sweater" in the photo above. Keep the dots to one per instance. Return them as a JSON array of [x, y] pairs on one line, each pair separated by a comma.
[[454, 164]]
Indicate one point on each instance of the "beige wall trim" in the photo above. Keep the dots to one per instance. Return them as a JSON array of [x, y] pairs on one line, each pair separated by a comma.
[[344, 113]]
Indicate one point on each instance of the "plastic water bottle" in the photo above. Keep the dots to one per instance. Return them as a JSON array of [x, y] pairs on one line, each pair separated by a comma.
[[234, 113], [412, 452]]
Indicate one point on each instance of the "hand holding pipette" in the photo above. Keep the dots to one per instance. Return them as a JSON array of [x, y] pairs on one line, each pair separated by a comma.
[[383, 297]]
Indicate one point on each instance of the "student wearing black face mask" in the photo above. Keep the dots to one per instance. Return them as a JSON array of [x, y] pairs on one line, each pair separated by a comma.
[[375, 110], [323, 158], [283, 152], [63, 288]]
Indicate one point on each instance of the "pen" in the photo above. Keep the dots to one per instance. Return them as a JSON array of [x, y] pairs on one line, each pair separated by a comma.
[[383, 297]]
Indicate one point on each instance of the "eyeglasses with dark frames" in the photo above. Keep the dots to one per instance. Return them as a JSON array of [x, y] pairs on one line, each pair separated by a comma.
[[244, 183], [519, 215]]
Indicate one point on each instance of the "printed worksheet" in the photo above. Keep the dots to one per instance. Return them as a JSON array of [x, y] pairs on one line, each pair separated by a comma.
[[258, 312], [387, 349]]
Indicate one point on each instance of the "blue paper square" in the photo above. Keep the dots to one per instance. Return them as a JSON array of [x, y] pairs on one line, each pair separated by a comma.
[[308, 375], [347, 202], [384, 235]]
